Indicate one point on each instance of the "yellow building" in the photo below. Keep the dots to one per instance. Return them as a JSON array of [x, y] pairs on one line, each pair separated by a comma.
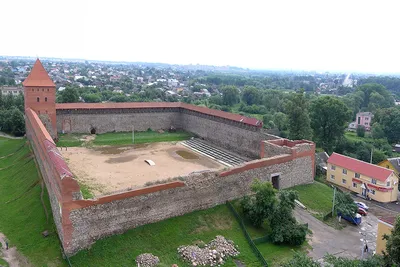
[[367, 180], [385, 226], [393, 164]]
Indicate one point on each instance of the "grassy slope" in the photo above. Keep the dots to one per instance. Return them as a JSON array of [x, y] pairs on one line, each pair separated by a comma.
[[163, 239], [353, 137], [317, 197], [23, 219]]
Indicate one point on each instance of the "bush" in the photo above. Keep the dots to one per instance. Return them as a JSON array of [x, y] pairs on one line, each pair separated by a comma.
[[360, 131]]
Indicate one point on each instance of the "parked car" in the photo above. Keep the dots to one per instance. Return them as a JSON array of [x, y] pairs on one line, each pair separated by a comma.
[[362, 211], [356, 219], [362, 205]]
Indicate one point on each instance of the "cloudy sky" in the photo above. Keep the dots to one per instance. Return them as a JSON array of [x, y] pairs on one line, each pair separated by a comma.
[[312, 35]]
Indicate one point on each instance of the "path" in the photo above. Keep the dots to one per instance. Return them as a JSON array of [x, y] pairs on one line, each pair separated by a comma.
[[9, 136], [11, 255], [344, 243]]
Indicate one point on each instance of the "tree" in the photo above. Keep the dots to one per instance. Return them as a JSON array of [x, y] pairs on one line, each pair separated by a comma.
[[251, 95], [285, 228], [281, 121], [300, 260], [373, 261], [230, 95], [345, 204], [389, 119], [298, 119], [392, 254], [69, 95], [328, 121], [257, 208], [360, 131], [377, 131], [18, 122], [376, 95]]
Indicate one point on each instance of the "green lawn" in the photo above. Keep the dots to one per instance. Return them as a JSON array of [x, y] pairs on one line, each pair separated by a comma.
[[163, 238], [22, 218], [317, 197], [275, 255], [353, 137], [122, 138]]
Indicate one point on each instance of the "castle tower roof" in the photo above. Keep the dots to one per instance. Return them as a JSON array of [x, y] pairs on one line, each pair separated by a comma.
[[38, 76]]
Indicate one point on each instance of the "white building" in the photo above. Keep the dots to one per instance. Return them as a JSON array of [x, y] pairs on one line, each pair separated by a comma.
[[7, 90]]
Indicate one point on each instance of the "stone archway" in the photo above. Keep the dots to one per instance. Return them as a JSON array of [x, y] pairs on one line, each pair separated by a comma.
[[92, 130]]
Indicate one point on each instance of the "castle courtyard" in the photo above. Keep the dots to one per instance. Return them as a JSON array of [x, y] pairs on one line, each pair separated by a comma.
[[110, 169]]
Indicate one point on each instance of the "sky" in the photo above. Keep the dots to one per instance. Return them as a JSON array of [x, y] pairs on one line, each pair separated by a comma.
[[335, 35]]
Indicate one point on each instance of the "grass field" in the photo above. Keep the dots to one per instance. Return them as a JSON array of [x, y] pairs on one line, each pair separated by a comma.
[[22, 218], [317, 197], [163, 239], [122, 138], [353, 137]]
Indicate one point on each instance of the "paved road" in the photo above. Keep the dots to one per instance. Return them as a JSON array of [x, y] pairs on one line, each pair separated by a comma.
[[344, 243]]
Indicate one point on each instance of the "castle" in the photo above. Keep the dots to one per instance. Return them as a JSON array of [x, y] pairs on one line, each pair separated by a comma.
[[80, 222]]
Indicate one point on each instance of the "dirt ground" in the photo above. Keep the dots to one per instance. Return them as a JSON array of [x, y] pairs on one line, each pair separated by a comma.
[[11, 255], [110, 168]]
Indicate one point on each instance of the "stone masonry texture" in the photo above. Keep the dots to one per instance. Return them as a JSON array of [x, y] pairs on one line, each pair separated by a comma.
[[202, 191]]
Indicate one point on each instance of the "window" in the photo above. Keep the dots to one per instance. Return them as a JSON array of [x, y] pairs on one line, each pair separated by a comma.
[[333, 167], [33, 90], [374, 181], [332, 177], [388, 183], [366, 119], [45, 99], [37, 99], [357, 175], [354, 185], [373, 192], [42, 89], [343, 181], [47, 89], [359, 118], [366, 123], [37, 90], [46, 111], [344, 171]]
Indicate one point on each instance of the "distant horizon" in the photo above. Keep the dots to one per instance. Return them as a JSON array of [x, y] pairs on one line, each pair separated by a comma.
[[198, 64]]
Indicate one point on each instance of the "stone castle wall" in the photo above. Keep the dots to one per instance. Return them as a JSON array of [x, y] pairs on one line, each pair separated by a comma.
[[94, 220], [232, 135]]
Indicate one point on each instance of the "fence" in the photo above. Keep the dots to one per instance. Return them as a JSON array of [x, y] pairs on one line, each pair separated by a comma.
[[246, 234]]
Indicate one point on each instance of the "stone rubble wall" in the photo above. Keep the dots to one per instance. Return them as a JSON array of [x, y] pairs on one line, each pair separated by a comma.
[[91, 222]]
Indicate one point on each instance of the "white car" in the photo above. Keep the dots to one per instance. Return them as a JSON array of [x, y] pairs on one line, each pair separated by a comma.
[[362, 205]]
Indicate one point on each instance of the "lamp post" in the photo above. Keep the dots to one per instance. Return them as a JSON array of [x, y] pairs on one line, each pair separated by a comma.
[[333, 202]]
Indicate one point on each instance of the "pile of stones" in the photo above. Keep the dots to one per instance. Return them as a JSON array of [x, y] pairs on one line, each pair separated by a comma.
[[147, 260], [213, 254]]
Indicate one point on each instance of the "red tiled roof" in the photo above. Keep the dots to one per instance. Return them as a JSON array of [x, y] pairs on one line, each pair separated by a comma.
[[204, 110], [388, 219], [370, 170], [38, 76]]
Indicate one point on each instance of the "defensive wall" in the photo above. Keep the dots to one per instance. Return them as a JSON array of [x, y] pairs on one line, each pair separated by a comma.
[[234, 132], [81, 222]]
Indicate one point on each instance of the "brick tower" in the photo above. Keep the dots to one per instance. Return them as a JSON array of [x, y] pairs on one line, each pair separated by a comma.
[[40, 96]]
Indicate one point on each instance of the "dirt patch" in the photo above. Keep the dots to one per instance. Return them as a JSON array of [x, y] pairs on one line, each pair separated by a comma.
[[11, 255], [186, 154], [121, 168]]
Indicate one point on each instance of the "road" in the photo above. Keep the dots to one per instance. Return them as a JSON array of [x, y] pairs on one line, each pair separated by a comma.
[[344, 243]]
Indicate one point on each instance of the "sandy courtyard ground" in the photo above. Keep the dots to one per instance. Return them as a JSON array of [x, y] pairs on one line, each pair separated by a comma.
[[109, 169]]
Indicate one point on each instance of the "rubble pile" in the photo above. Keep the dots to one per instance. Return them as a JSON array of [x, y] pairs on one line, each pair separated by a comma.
[[147, 260], [213, 254]]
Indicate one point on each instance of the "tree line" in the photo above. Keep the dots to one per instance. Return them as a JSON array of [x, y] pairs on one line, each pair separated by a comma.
[[12, 114]]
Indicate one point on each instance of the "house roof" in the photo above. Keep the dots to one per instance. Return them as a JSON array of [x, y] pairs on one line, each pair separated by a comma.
[[368, 169], [38, 76], [133, 105], [388, 219], [395, 163]]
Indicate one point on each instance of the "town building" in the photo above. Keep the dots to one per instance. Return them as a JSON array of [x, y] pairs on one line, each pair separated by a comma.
[[385, 226], [362, 119], [393, 164], [368, 180], [11, 90]]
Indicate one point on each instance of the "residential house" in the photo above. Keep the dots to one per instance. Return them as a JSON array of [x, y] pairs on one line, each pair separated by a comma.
[[393, 164], [368, 180], [385, 226], [11, 90], [362, 119]]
